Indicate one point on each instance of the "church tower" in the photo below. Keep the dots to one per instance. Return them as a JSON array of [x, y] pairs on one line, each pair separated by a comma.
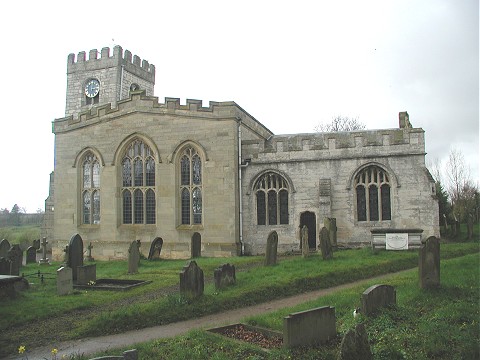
[[107, 79]]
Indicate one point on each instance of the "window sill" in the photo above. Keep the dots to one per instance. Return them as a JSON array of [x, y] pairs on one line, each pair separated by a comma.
[[379, 224]]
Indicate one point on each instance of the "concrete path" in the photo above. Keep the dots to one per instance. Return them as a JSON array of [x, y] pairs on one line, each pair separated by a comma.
[[90, 346]]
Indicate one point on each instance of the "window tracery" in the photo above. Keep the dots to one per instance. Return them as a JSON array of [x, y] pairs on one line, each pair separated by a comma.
[[90, 189], [372, 191], [271, 191], [191, 178]]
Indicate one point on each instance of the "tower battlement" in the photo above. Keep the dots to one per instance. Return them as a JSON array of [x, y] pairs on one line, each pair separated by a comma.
[[133, 64]]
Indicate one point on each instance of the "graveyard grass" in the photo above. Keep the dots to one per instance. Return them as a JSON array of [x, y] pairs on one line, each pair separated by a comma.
[[40, 317]]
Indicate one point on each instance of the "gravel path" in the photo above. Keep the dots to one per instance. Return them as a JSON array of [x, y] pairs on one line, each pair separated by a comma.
[[90, 346]]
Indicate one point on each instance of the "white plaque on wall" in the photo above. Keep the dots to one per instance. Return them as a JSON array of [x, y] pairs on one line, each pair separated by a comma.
[[396, 241]]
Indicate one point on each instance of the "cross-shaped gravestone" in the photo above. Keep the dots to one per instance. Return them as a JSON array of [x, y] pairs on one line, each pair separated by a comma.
[[89, 256], [44, 259]]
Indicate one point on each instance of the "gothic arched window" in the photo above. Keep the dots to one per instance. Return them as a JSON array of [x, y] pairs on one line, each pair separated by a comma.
[[138, 184], [190, 190], [90, 189], [372, 190], [271, 192]]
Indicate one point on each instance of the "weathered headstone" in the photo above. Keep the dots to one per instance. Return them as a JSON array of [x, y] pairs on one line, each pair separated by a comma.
[[133, 257], [36, 244], [31, 255], [310, 327], [155, 249], [305, 245], [86, 274], [4, 247], [224, 276], [5, 266], [325, 246], [44, 259], [191, 280], [65, 255], [429, 263], [75, 254], [355, 345], [15, 255], [271, 251], [376, 297], [331, 225], [64, 280], [89, 256]]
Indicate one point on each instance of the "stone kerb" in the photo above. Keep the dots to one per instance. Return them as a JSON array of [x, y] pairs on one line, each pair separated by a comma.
[[191, 280], [86, 274], [376, 297], [310, 327], [64, 280], [429, 263], [224, 276]]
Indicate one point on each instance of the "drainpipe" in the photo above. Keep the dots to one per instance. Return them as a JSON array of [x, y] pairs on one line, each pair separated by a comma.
[[240, 197]]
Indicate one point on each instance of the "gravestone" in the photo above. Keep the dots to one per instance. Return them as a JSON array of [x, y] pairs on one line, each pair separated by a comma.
[[89, 256], [331, 225], [469, 227], [65, 255], [44, 259], [325, 246], [64, 280], [429, 263], [31, 255], [376, 297], [310, 327], [15, 255], [4, 247], [86, 274], [36, 244], [355, 345], [75, 254], [5, 266], [155, 249], [133, 257], [305, 245], [191, 280], [271, 251], [224, 276]]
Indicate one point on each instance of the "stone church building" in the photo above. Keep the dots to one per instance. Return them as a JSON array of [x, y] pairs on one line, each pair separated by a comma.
[[214, 181]]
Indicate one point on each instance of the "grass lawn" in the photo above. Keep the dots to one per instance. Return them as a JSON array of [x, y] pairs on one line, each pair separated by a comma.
[[426, 324], [92, 313]]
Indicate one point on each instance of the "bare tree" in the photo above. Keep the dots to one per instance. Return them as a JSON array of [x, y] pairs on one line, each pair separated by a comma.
[[341, 123]]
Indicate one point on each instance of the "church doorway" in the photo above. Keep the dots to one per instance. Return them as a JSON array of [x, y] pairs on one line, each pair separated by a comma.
[[196, 245], [308, 218]]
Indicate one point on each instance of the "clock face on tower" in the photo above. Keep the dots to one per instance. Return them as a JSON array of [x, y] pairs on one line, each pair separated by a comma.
[[92, 88]]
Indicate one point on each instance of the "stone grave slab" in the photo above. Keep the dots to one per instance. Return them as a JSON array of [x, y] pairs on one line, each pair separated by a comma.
[[191, 280], [224, 276], [15, 255], [355, 345], [325, 245], [429, 263], [31, 255], [310, 327], [304, 239], [376, 297], [155, 249], [4, 247], [75, 254], [64, 280], [133, 257], [271, 251], [86, 274]]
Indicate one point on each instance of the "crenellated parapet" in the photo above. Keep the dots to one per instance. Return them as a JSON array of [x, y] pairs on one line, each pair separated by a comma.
[[101, 60], [139, 101], [316, 146]]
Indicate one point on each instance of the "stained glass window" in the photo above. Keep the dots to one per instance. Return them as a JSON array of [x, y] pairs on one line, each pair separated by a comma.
[[372, 190], [271, 192], [90, 189], [138, 179], [191, 187]]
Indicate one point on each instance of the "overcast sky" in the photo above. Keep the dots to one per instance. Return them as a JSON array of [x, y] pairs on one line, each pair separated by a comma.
[[291, 65]]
